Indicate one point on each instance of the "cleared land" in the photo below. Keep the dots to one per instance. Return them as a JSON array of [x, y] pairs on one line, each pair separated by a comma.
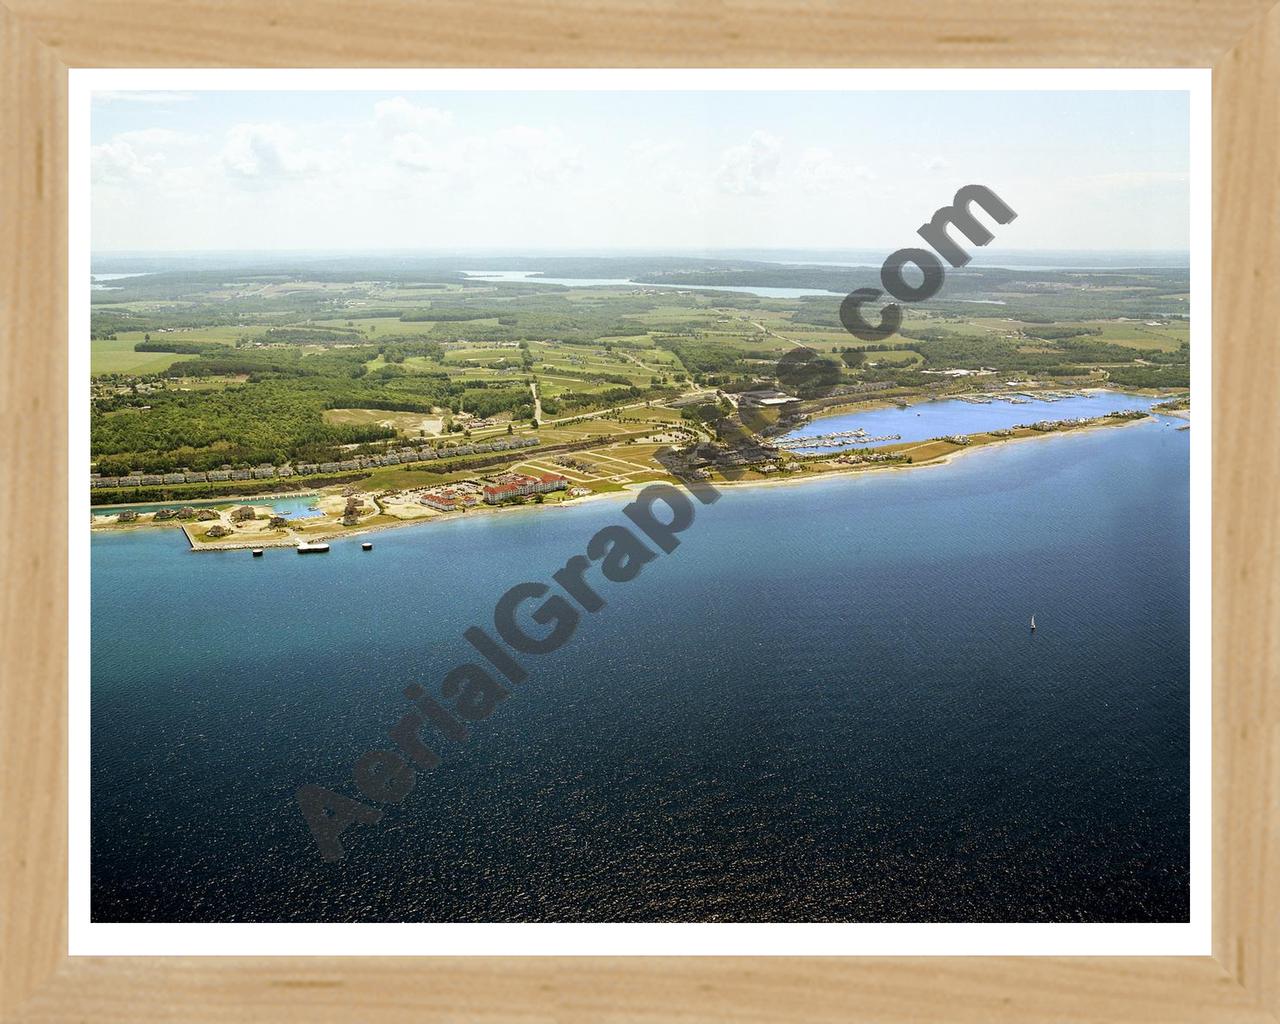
[[116, 355], [407, 424]]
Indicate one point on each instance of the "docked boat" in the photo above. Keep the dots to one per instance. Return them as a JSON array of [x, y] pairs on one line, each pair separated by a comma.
[[311, 549]]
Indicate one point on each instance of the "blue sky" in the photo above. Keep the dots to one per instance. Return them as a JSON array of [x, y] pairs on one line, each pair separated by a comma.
[[630, 170]]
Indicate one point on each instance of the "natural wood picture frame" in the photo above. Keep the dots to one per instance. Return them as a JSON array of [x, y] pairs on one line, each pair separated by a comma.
[[41, 39]]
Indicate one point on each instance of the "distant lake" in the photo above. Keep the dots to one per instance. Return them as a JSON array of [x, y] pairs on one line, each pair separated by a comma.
[[533, 277], [96, 279], [825, 705], [951, 416]]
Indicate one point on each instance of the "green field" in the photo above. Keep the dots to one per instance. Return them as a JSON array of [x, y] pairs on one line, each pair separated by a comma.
[[116, 355]]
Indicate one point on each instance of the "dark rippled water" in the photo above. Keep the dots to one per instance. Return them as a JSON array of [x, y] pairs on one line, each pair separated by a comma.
[[826, 705]]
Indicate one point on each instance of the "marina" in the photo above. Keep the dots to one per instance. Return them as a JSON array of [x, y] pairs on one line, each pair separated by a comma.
[[1019, 397], [836, 439], [955, 416]]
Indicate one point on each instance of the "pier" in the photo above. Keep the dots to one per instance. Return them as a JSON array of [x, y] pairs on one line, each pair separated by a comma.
[[1018, 397], [836, 439]]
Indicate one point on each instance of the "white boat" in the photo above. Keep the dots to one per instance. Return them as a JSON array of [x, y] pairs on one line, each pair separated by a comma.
[[1033, 623], [311, 549]]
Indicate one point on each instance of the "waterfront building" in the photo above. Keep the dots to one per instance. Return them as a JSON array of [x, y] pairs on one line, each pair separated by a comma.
[[509, 486]]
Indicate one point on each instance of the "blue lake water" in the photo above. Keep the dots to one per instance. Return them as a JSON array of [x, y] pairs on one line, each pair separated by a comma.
[[825, 704], [952, 416], [533, 277], [95, 285]]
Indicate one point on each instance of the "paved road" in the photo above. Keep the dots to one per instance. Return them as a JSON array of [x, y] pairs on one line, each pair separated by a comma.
[[780, 337]]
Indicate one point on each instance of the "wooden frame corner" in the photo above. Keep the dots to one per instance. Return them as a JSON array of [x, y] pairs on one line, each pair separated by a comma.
[[41, 39]]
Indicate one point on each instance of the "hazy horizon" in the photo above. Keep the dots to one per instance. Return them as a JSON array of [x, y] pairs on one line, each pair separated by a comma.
[[552, 262]]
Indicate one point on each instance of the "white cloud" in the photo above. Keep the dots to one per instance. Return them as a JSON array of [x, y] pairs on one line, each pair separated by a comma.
[[1136, 179], [415, 153], [405, 171], [260, 155], [819, 170], [535, 153], [400, 117], [518, 156], [751, 169], [660, 163], [119, 162], [154, 138], [141, 155]]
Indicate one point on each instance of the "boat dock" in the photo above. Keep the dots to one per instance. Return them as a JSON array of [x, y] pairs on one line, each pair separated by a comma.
[[1018, 397], [837, 439]]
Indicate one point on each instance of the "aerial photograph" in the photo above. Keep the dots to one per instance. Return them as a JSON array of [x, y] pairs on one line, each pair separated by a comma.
[[721, 507]]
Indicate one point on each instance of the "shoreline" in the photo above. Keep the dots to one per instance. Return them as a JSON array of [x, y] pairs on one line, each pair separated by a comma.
[[941, 460], [627, 491]]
